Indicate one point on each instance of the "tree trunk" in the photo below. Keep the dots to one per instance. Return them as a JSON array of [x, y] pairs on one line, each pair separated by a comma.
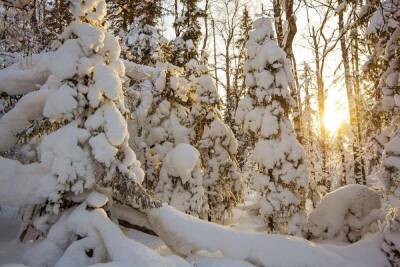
[[321, 109], [358, 168]]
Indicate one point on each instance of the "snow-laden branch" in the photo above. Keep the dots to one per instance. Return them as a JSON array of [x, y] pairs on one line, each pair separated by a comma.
[[32, 72], [138, 72], [126, 251], [16, 3], [99, 235], [30, 107], [186, 234], [26, 76], [23, 184]]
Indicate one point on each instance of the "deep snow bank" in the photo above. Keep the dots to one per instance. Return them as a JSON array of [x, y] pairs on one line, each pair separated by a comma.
[[186, 234]]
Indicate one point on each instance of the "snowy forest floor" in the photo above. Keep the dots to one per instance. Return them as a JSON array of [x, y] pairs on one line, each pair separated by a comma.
[[11, 251]]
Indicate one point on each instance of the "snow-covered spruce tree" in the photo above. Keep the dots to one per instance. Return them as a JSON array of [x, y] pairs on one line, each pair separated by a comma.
[[161, 138], [384, 66], [159, 119], [264, 114], [86, 161], [123, 13], [217, 144]]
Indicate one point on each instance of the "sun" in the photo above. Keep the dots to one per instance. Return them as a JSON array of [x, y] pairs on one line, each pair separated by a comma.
[[334, 117]]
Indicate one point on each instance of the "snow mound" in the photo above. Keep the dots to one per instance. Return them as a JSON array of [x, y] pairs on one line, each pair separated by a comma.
[[345, 214]]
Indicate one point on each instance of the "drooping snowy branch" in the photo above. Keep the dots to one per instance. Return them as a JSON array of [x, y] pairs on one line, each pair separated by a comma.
[[25, 76], [29, 107], [24, 184], [138, 72]]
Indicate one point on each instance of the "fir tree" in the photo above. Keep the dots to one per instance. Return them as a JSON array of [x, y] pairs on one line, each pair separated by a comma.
[[240, 86], [181, 181], [160, 116], [142, 39], [264, 114], [123, 13], [391, 230], [218, 148], [84, 156]]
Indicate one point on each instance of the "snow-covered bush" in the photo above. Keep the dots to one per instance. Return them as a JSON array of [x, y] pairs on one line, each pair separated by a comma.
[[346, 214], [218, 148], [264, 115]]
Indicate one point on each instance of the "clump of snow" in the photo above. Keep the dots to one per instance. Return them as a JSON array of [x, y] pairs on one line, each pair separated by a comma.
[[28, 108], [181, 161]]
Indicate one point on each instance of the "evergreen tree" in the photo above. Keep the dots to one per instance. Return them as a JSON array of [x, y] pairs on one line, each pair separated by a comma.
[[143, 43], [123, 13], [218, 148], [162, 136], [264, 114], [390, 231], [240, 86], [142, 39], [160, 115]]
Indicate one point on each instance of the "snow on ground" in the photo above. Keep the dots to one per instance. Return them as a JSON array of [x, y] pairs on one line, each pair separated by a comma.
[[10, 250], [274, 249]]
